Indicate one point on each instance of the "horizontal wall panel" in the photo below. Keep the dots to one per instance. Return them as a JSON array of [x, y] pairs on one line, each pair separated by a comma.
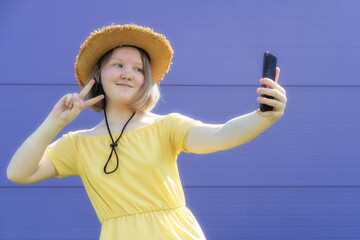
[[223, 213], [297, 180], [40, 233], [315, 143], [222, 45]]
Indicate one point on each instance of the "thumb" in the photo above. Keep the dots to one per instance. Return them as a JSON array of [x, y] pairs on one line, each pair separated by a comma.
[[277, 73]]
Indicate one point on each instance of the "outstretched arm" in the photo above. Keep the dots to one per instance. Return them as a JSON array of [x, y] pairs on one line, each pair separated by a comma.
[[207, 138]]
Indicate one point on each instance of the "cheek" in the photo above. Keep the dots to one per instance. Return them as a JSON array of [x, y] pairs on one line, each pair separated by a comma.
[[107, 73], [141, 80], [106, 78]]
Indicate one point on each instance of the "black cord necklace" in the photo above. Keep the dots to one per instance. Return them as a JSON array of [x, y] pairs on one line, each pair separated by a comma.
[[114, 144]]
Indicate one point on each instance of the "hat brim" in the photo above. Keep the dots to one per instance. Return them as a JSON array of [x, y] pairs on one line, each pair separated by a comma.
[[107, 38]]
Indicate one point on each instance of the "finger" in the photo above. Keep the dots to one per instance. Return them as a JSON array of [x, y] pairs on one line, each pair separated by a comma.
[[277, 74], [282, 90], [92, 101], [271, 84], [268, 82], [277, 105], [71, 103], [86, 89], [67, 99], [75, 102], [273, 93]]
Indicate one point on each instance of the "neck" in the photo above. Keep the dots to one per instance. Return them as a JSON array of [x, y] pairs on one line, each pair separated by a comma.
[[118, 115]]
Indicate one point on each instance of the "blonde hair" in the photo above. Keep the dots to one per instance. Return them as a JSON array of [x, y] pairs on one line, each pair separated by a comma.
[[146, 98]]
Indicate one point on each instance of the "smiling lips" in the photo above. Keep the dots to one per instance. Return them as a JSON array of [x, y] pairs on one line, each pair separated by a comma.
[[123, 85]]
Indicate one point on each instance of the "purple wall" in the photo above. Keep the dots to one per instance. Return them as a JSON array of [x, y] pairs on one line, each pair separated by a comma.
[[298, 180]]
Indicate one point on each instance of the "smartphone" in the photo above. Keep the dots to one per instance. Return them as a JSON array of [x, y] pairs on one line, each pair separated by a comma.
[[269, 71]]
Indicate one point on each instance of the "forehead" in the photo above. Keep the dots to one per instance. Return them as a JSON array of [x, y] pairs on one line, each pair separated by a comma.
[[126, 53]]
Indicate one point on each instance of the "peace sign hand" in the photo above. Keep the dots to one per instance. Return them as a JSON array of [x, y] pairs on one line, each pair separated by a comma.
[[70, 105]]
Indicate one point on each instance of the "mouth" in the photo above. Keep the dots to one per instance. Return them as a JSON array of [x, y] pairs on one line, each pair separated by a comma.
[[123, 85]]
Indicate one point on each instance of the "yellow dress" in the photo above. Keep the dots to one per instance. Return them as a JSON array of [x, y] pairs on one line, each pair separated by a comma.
[[143, 198]]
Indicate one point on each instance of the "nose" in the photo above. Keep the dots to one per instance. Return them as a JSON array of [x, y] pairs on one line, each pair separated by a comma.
[[125, 74]]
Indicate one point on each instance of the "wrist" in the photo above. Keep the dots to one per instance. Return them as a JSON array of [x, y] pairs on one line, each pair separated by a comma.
[[53, 124], [267, 116]]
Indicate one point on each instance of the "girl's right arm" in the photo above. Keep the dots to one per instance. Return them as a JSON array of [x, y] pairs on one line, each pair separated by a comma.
[[29, 164]]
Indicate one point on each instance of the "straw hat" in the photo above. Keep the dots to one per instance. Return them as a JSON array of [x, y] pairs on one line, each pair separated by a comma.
[[107, 38]]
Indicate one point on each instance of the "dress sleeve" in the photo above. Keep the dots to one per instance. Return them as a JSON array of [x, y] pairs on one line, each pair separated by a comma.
[[179, 129], [63, 155]]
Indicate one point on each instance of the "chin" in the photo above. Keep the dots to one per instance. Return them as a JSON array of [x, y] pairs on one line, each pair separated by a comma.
[[122, 101]]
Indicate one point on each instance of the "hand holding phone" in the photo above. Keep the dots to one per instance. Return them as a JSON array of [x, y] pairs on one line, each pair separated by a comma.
[[269, 71]]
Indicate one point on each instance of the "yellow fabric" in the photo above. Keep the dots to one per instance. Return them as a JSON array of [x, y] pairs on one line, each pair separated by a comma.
[[144, 198]]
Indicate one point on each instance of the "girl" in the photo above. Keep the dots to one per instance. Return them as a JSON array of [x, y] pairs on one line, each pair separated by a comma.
[[128, 161]]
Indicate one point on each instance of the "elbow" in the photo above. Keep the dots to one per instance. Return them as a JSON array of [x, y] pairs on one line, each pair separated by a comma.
[[18, 181], [9, 175], [13, 178]]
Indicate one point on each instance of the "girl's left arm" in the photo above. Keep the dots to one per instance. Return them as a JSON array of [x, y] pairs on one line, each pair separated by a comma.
[[207, 138]]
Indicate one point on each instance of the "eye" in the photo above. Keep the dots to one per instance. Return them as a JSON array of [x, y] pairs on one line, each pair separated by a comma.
[[118, 65], [138, 69]]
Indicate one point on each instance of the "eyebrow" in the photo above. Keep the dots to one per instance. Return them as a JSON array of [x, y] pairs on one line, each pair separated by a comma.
[[122, 60]]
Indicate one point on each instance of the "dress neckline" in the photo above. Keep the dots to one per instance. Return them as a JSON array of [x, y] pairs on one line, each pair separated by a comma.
[[126, 131]]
